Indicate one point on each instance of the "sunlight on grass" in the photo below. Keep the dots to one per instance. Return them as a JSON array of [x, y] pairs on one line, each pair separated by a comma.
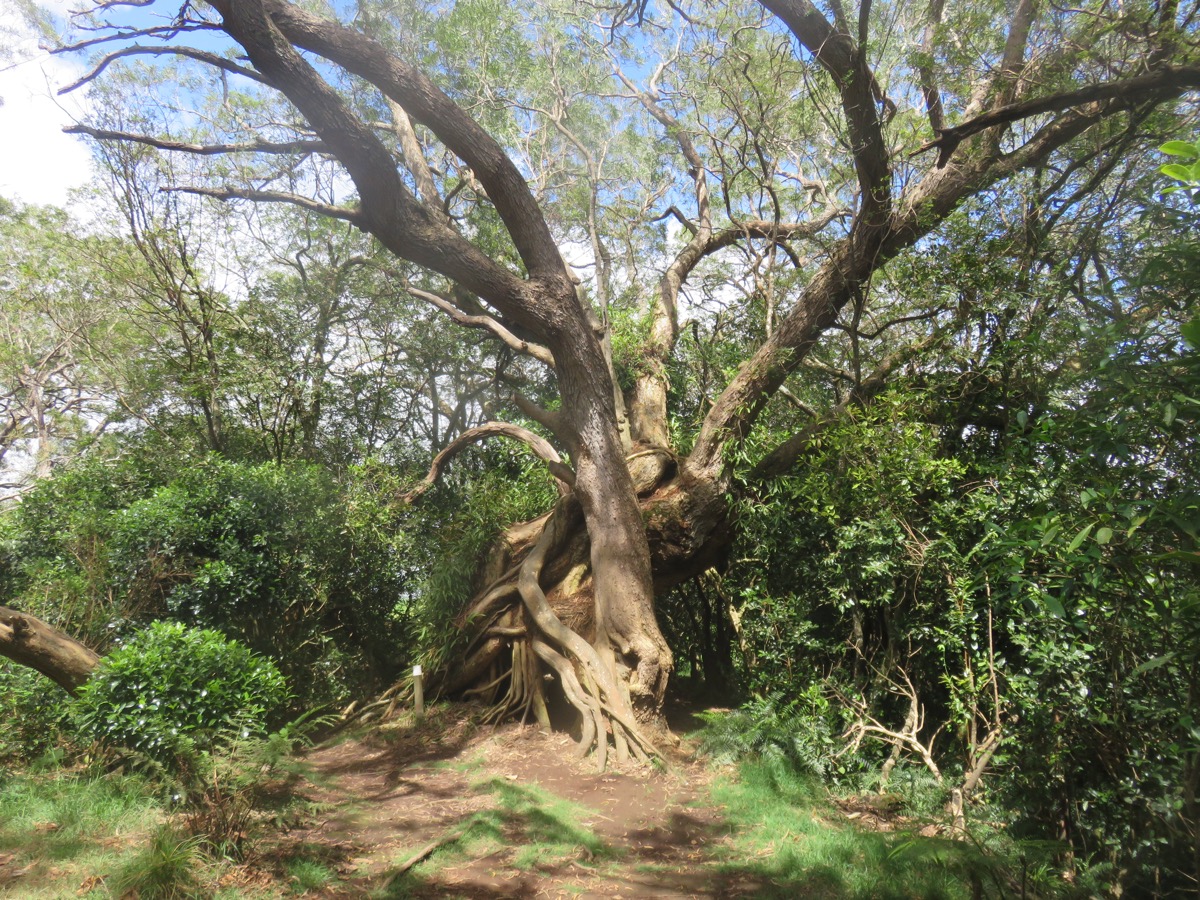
[[547, 827], [61, 829], [308, 874], [545, 830], [784, 834]]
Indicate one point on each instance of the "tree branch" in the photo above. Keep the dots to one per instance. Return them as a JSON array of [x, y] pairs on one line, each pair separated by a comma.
[[230, 193], [929, 86], [425, 102], [539, 445], [166, 32], [510, 340], [1166, 82], [31, 642], [389, 210], [846, 61], [255, 146], [189, 52]]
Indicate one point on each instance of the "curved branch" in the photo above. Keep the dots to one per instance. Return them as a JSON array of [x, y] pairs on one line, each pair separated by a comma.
[[255, 146], [551, 420], [229, 193], [539, 445], [780, 233], [189, 52], [510, 340], [1166, 82], [390, 211], [427, 104]]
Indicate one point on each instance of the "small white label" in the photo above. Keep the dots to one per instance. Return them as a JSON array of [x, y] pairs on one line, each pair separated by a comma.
[[416, 671]]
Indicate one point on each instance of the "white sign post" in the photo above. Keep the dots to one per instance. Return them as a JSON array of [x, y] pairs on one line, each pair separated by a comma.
[[418, 692]]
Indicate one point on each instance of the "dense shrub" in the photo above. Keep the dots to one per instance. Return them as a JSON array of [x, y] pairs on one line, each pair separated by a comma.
[[291, 562], [172, 684], [1039, 584], [33, 710]]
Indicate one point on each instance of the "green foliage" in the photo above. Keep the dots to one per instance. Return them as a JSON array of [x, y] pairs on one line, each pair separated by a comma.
[[281, 557], [35, 714], [467, 515], [1046, 582], [172, 687], [1186, 170], [803, 732]]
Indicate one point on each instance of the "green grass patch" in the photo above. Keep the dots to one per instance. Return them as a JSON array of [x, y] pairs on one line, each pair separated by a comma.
[[787, 837], [306, 875], [544, 829], [54, 814], [169, 867], [61, 828], [466, 766]]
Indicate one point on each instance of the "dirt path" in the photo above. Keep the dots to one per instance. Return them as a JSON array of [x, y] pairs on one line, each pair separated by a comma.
[[516, 815]]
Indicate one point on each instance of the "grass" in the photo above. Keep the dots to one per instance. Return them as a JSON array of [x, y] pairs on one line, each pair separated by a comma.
[[71, 834], [796, 846], [62, 828], [308, 874], [167, 868], [544, 828], [778, 836]]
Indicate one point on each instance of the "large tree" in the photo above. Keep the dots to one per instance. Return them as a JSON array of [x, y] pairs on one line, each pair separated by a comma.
[[771, 157]]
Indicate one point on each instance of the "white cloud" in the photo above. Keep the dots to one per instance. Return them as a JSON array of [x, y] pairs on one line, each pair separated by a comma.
[[38, 163]]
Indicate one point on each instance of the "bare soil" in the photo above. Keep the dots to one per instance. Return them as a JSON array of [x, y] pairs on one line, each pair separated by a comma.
[[492, 801]]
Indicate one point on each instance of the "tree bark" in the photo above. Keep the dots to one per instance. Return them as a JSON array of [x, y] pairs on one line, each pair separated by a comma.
[[28, 640]]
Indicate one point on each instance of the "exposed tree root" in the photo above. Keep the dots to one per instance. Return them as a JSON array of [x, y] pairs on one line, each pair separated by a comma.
[[590, 687], [534, 642]]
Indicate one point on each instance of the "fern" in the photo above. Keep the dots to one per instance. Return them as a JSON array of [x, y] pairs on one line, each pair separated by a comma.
[[797, 731]]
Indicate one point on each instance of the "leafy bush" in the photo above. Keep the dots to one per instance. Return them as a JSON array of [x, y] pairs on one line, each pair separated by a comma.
[[1039, 584], [282, 557], [33, 710], [171, 685]]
